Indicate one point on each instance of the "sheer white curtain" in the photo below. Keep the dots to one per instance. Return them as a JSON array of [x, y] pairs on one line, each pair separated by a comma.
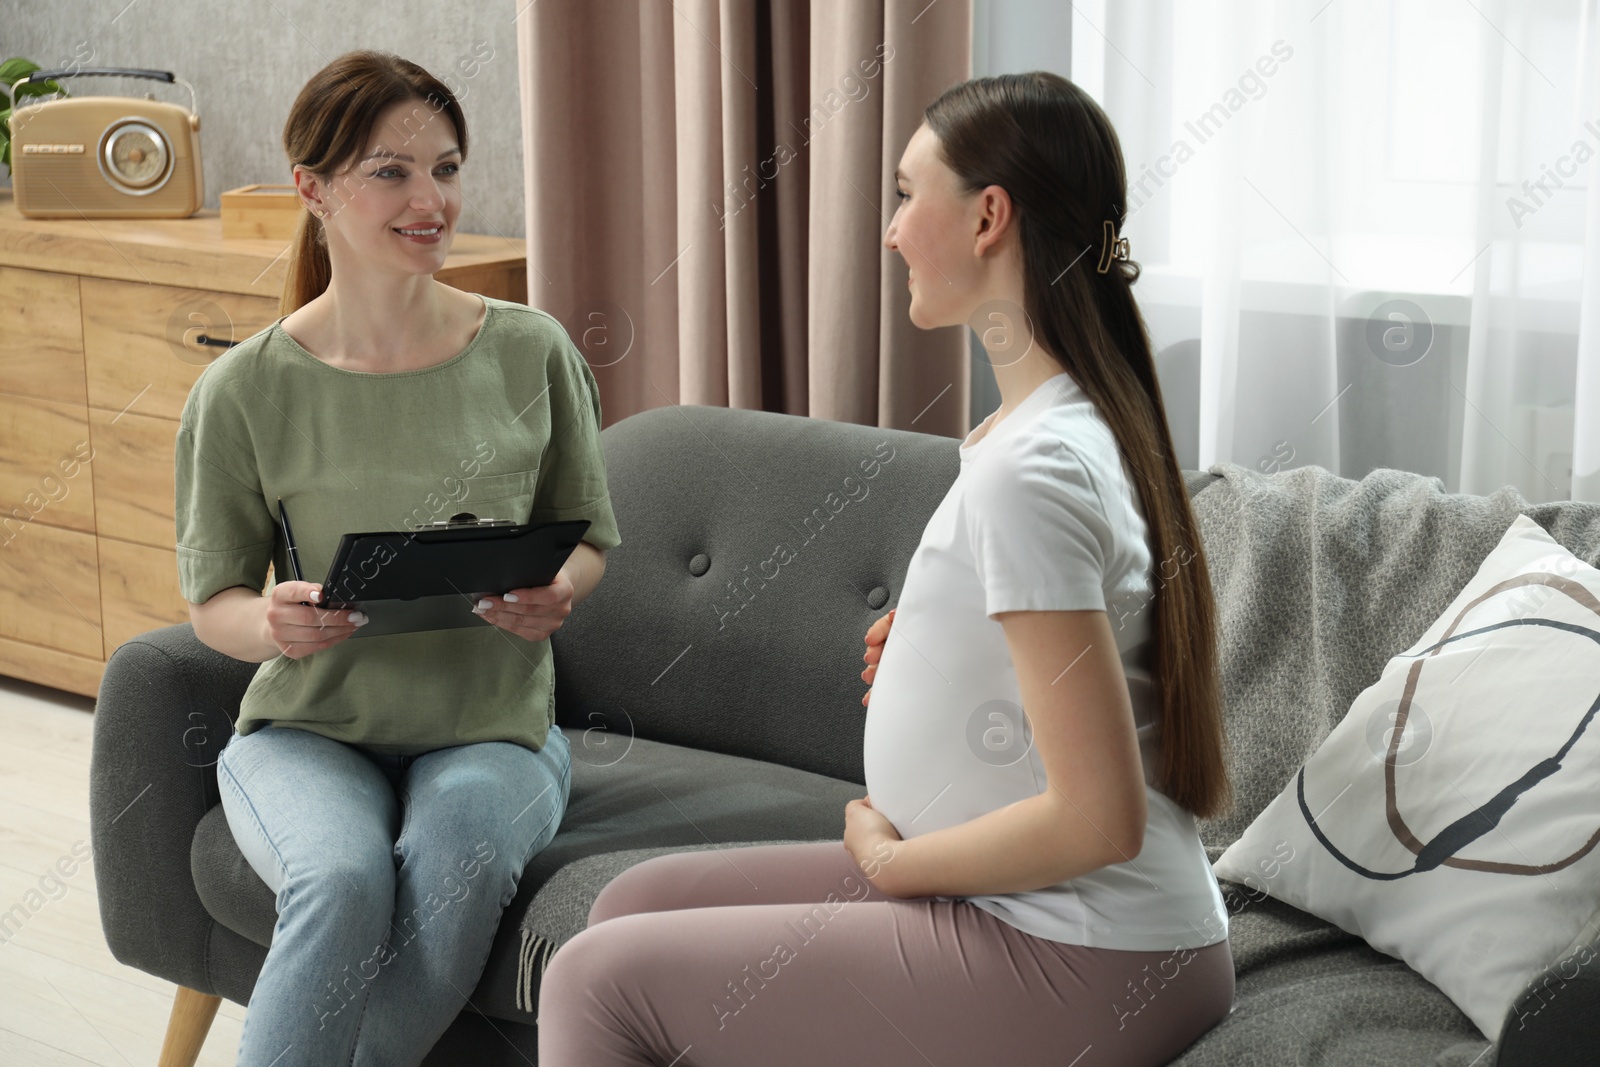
[[1370, 229]]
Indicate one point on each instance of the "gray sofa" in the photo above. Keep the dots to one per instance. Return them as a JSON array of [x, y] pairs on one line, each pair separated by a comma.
[[711, 688]]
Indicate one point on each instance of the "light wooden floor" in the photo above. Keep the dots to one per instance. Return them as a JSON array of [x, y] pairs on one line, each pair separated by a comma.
[[63, 998]]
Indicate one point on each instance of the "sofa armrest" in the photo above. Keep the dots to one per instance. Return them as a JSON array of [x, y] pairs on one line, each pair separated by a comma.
[[1556, 1021], [166, 708]]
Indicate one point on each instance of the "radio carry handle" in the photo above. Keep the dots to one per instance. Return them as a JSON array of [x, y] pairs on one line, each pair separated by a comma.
[[114, 72]]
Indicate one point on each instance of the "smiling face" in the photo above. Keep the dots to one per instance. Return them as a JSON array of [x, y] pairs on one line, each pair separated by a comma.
[[407, 177], [934, 230]]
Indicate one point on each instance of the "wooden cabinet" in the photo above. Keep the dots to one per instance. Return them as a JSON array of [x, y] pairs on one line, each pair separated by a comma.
[[103, 321]]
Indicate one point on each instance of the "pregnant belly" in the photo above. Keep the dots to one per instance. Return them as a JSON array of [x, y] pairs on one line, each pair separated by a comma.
[[927, 768]]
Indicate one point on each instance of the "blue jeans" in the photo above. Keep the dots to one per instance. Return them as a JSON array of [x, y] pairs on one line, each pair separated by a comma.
[[391, 875]]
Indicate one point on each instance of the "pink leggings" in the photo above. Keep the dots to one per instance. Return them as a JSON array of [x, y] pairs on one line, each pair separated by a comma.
[[784, 955]]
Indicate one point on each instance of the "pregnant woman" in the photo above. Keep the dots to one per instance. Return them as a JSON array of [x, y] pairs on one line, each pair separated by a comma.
[[1024, 883], [388, 790]]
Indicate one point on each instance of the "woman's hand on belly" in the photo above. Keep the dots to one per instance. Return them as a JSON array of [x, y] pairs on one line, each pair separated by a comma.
[[877, 634], [870, 838]]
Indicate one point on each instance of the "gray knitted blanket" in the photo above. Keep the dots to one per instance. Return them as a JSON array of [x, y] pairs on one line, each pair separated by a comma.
[[1319, 580]]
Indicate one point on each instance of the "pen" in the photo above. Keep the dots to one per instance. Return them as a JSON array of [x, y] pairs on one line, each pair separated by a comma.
[[293, 552]]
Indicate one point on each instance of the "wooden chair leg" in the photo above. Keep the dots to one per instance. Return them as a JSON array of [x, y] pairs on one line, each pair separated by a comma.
[[187, 1027]]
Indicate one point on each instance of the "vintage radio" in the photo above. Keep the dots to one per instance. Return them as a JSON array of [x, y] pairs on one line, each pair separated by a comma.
[[105, 156]]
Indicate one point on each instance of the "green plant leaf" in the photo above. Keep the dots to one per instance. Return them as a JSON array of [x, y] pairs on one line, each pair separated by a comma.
[[15, 68], [49, 88], [11, 71]]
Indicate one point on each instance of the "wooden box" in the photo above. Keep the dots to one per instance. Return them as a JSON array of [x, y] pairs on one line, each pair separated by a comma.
[[260, 211]]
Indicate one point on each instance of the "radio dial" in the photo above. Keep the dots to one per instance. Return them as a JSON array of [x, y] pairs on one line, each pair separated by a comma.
[[136, 154]]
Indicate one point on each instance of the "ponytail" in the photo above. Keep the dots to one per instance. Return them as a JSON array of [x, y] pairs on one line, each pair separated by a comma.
[[310, 269]]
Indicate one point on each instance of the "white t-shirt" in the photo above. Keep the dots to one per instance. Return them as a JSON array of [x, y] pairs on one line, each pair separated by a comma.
[[1041, 517]]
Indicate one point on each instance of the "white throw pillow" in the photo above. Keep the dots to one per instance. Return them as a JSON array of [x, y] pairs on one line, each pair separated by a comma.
[[1389, 830]]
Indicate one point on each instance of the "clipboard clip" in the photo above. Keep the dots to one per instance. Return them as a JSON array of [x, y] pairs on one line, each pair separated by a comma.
[[464, 520]]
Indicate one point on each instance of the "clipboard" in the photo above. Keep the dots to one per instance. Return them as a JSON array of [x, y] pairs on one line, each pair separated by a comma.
[[430, 578]]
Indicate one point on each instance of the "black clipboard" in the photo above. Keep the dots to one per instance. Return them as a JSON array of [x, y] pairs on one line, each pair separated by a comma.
[[431, 578]]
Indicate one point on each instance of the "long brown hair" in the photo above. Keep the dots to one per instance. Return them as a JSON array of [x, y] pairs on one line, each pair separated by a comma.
[[329, 124], [1053, 150]]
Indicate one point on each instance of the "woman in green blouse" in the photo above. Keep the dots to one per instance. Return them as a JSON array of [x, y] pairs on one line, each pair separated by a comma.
[[390, 790]]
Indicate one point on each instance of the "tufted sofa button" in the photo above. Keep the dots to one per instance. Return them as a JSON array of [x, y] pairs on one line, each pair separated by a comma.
[[878, 598], [699, 564]]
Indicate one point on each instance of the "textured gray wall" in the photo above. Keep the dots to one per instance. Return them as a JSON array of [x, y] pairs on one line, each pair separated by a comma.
[[248, 61]]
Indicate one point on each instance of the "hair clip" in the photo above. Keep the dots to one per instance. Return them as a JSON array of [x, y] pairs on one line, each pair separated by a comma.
[[1111, 247]]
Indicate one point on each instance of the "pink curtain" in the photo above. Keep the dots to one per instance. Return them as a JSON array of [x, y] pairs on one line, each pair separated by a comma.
[[708, 184]]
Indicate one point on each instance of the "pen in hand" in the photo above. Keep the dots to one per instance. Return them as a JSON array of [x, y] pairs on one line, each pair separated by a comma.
[[292, 552], [294, 563]]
